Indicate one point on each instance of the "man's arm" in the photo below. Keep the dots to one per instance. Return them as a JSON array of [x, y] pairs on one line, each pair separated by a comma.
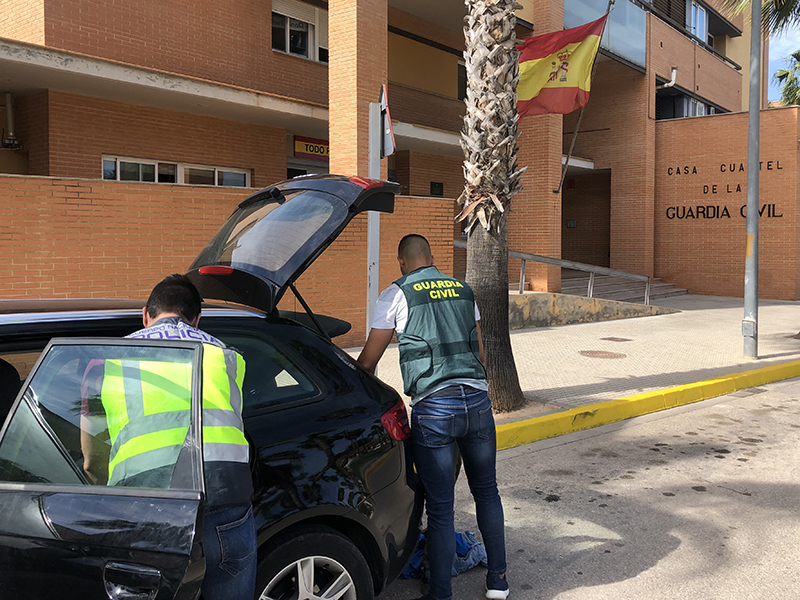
[[481, 354], [94, 430], [95, 454], [377, 342]]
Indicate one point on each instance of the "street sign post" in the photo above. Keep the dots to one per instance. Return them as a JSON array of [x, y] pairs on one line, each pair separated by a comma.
[[381, 145]]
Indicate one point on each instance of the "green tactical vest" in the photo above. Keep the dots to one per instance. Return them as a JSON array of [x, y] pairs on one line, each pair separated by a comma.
[[148, 410], [440, 340]]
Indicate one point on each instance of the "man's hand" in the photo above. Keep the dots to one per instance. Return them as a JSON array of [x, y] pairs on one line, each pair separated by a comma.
[[377, 342]]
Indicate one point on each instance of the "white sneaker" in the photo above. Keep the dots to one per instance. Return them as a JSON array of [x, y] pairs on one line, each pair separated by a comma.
[[496, 587]]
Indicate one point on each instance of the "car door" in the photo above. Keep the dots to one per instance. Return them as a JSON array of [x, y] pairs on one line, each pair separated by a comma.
[[70, 525]]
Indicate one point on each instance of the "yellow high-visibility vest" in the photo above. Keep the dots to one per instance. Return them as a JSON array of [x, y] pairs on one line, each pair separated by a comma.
[[148, 410]]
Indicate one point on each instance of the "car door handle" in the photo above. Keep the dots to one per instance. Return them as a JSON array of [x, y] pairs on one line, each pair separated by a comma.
[[131, 582]]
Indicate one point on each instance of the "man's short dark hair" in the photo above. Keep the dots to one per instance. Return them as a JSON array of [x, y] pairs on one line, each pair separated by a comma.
[[414, 245], [174, 294]]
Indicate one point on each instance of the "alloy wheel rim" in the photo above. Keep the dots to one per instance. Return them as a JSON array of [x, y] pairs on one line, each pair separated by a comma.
[[311, 578]]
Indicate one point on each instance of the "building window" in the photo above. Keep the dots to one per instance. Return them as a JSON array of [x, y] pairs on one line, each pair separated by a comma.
[[695, 108], [300, 29], [297, 167], [117, 168], [698, 24]]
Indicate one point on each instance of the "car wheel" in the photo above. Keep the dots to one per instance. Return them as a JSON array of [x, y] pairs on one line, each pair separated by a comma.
[[315, 563]]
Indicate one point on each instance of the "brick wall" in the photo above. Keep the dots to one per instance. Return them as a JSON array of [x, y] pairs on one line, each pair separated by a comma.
[[358, 34], [22, 20], [699, 71], [229, 42], [617, 132], [415, 171], [72, 238], [82, 129], [586, 199], [707, 255], [534, 221], [75, 238], [425, 168]]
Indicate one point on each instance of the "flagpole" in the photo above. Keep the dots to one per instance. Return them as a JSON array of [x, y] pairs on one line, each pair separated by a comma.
[[580, 115]]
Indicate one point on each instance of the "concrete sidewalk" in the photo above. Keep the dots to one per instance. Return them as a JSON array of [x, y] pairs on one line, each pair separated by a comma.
[[579, 376]]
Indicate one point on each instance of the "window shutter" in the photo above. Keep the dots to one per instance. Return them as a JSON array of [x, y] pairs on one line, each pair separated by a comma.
[[295, 10], [322, 34]]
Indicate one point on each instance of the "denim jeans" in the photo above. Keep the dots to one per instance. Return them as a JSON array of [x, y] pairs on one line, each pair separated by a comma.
[[229, 541], [437, 424]]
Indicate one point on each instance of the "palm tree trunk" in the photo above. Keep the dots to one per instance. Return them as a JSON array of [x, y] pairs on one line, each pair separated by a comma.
[[487, 275], [489, 141]]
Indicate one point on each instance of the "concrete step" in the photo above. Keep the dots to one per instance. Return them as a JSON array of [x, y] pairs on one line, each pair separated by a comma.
[[638, 297]]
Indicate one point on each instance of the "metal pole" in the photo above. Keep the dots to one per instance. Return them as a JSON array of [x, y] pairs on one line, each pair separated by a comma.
[[373, 217], [750, 321], [571, 148], [580, 114]]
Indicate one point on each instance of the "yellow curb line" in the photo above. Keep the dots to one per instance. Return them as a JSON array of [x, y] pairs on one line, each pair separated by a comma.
[[602, 413]]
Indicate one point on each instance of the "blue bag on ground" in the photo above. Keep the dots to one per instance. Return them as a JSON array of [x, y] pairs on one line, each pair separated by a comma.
[[469, 553]]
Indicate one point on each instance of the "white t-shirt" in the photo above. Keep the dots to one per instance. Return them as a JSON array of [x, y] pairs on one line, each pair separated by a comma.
[[391, 312]]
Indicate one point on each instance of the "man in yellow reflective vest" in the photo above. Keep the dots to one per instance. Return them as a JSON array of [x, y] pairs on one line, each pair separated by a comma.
[[145, 409]]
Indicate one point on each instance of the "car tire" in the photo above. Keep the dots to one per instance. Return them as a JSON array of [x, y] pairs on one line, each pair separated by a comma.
[[327, 560]]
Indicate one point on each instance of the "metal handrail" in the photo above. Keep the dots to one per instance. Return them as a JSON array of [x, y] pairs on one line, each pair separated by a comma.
[[570, 264]]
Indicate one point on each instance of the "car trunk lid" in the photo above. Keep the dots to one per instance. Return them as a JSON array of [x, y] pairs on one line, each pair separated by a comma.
[[274, 235]]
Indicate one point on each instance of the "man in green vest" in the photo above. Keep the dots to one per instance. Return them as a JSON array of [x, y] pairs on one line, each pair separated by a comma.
[[146, 413], [441, 360]]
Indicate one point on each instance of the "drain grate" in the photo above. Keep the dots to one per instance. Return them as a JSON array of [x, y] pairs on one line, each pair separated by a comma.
[[616, 339], [601, 354]]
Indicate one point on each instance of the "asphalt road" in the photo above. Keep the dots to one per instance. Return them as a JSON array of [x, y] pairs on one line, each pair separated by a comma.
[[700, 502]]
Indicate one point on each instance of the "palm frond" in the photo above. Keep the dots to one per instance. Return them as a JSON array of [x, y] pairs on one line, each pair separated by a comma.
[[776, 15]]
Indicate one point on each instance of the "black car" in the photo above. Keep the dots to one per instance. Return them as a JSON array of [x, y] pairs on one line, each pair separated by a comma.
[[335, 504]]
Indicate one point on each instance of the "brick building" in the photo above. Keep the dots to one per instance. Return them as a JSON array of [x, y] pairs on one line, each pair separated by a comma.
[[131, 119]]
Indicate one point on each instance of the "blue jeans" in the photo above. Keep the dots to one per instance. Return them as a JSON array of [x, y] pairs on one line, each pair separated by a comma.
[[229, 541], [437, 424]]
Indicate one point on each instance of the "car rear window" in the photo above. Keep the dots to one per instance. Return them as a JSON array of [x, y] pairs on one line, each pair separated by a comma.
[[272, 238]]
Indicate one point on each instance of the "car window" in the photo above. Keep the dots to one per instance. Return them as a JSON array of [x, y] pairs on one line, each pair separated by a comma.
[[271, 379], [271, 237], [112, 415]]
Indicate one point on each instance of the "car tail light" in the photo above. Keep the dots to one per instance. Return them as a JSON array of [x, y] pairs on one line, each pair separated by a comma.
[[395, 421], [365, 183], [216, 270]]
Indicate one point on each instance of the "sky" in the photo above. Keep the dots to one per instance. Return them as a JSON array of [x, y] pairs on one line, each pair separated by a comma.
[[779, 50]]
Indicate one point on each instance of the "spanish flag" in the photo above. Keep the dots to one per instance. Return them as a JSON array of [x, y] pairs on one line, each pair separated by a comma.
[[555, 69]]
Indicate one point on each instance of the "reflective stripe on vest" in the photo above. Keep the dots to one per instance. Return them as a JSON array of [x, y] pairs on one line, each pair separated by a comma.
[[148, 409]]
